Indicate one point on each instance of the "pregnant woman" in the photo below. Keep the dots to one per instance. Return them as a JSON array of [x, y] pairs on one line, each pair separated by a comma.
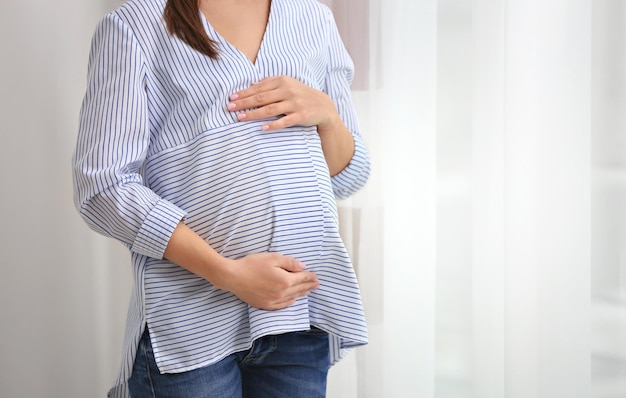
[[215, 137]]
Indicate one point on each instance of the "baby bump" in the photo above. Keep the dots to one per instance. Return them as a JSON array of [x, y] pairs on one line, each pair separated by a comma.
[[245, 190]]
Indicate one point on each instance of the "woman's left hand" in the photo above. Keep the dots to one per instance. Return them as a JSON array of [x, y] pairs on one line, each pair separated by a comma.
[[295, 103]]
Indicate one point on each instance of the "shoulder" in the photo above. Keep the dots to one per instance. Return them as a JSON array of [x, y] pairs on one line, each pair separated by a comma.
[[140, 20], [310, 15], [141, 13], [311, 9], [304, 4]]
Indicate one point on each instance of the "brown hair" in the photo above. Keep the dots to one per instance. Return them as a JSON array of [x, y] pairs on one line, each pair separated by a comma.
[[182, 18]]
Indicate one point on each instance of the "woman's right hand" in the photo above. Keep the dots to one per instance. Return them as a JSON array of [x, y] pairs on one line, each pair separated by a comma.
[[269, 281]]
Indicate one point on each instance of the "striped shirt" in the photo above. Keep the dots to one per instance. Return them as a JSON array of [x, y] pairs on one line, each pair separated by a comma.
[[157, 145]]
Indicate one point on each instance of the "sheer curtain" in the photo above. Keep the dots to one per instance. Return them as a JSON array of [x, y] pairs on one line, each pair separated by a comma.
[[490, 242]]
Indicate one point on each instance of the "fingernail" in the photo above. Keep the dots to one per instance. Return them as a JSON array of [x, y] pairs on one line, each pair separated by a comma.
[[241, 116], [265, 127], [233, 97], [231, 106], [301, 264]]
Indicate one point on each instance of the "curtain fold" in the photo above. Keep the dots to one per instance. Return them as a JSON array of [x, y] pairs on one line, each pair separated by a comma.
[[499, 140]]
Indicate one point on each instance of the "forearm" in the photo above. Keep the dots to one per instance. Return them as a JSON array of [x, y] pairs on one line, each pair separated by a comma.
[[337, 145], [188, 250]]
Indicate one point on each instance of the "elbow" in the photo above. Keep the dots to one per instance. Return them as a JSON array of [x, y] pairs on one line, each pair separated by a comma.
[[352, 179]]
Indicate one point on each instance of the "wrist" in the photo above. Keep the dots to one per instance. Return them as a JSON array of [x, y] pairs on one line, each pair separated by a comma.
[[223, 273], [333, 123]]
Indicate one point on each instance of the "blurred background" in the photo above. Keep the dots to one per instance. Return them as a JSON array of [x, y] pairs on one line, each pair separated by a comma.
[[490, 242]]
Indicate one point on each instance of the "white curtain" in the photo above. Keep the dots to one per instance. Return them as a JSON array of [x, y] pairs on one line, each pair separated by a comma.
[[490, 242]]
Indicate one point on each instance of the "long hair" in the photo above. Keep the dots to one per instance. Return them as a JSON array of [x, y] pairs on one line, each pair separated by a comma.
[[182, 18]]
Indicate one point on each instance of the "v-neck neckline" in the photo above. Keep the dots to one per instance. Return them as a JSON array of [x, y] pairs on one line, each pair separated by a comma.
[[221, 39]]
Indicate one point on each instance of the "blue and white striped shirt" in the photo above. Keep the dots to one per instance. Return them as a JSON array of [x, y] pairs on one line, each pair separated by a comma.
[[157, 144]]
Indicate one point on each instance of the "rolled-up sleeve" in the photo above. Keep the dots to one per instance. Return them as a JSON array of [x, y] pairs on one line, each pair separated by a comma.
[[112, 145], [339, 76]]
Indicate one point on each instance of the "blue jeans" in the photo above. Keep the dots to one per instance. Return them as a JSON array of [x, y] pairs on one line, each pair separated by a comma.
[[291, 365]]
